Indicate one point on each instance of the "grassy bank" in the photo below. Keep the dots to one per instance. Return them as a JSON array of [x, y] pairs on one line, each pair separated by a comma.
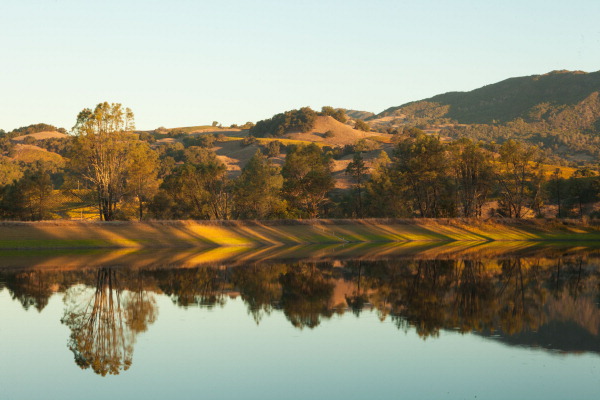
[[165, 234], [142, 258]]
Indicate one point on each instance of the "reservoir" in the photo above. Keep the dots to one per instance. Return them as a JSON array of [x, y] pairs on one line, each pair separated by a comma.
[[367, 322]]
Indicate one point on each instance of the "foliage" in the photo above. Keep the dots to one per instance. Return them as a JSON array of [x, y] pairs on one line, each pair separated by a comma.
[[421, 167], [198, 189], [142, 175], [472, 169], [100, 156], [257, 192], [307, 179], [301, 120], [357, 169], [383, 198], [248, 140], [337, 114], [273, 148], [206, 141], [520, 177], [362, 125], [9, 171], [29, 197]]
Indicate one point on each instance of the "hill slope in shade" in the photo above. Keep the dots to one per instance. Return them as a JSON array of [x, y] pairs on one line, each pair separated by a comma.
[[506, 100], [357, 114]]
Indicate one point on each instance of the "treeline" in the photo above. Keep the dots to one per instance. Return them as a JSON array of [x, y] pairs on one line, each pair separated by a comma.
[[561, 144], [123, 175]]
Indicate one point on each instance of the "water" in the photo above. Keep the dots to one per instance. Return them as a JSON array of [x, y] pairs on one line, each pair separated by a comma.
[[457, 322]]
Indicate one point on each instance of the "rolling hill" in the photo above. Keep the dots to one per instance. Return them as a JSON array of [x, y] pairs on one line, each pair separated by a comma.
[[41, 136], [558, 111], [339, 134], [523, 97]]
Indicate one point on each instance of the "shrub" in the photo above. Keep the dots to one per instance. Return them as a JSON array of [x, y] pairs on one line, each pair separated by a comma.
[[362, 125]]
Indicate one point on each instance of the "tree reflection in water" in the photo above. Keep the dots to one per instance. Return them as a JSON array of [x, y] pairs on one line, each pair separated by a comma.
[[551, 301], [306, 294], [31, 289], [259, 287], [192, 287], [104, 323]]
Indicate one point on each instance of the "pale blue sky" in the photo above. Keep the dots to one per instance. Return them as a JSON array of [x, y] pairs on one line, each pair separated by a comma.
[[181, 63]]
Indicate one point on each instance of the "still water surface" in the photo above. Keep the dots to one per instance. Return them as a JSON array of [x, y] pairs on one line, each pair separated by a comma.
[[366, 324]]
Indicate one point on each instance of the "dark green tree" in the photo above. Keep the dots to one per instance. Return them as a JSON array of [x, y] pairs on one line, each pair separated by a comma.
[[198, 191], [257, 192], [30, 197], [520, 176], [472, 170], [383, 197], [337, 114], [307, 179], [421, 165], [357, 170]]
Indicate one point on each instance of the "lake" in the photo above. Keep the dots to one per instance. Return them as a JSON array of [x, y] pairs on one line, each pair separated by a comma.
[[419, 321]]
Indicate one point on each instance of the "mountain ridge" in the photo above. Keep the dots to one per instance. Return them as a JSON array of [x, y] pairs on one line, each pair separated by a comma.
[[505, 100]]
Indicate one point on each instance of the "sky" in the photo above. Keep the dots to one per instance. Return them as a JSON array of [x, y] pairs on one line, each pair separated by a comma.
[[182, 63]]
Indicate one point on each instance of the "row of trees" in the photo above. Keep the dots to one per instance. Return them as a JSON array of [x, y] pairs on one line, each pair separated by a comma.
[[432, 179], [123, 176], [200, 187]]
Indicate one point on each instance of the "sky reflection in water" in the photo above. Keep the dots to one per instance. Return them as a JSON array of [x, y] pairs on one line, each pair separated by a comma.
[[512, 325]]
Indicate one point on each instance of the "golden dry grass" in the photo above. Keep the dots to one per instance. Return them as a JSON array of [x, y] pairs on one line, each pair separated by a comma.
[[234, 155], [41, 136], [29, 154], [342, 133]]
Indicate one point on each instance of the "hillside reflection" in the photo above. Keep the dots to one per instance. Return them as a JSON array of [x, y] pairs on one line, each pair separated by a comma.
[[546, 300]]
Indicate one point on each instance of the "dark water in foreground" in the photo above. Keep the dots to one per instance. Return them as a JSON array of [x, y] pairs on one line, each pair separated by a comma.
[[370, 323]]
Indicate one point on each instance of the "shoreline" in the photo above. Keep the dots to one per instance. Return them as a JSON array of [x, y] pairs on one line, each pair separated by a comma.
[[65, 234]]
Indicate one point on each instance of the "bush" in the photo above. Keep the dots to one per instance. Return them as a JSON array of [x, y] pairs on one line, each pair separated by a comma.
[[273, 148], [247, 125], [362, 125], [302, 120], [338, 114], [206, 141], [249, 140]]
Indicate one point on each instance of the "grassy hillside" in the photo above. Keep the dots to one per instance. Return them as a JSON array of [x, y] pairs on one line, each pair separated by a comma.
[[30, 154], [328, 131], [356, 114], [41, 136]]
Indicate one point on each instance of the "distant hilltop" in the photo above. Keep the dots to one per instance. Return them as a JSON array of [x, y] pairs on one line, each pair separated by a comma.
[[531, 98]]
